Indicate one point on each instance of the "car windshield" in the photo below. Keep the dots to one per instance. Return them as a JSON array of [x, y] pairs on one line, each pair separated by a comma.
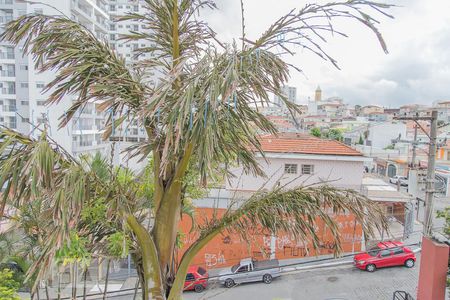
[[234, 268]]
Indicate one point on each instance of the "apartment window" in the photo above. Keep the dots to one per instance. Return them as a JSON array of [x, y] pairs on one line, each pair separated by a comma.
[[307, 169], [24, 103], [112, 27], [23, 67], [24, 85], [135, 27], [128, 46], [40, 85], [26, 120], [10, 88], [40, 102], [10, 105], [135, 7], [290, 168], [8, 70], [112, 37], [128, 26], [112, 8], [9, 52], [11, 122], [120, 6], [120, 26]]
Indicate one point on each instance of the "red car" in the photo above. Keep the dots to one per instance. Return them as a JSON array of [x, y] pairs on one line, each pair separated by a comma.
[[385, 254], [196, 279]]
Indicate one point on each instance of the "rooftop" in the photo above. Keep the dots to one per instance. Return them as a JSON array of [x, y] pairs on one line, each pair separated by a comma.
[[305, 144]]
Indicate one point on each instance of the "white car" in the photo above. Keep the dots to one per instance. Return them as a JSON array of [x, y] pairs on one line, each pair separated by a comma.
[[403, 180]]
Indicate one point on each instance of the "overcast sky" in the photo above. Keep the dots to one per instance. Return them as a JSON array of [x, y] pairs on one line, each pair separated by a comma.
[[416, 70]]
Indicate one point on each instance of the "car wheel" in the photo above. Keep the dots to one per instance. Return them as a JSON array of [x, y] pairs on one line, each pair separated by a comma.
[[199, 288], [409, 263], [267, 278], [371, 268], [229, 283]]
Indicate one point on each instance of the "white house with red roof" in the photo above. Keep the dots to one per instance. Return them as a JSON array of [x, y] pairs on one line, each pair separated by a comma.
[[294, 159]]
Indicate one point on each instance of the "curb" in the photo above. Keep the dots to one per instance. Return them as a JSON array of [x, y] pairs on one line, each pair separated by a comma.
[[320, 266], [287, 270]]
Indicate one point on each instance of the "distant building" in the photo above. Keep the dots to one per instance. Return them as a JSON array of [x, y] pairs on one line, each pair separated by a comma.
[[318, 95], [289, 92], [371, 109], [410, 108]]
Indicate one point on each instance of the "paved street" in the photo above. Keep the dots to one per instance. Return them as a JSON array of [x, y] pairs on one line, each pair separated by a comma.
[[343, 283]]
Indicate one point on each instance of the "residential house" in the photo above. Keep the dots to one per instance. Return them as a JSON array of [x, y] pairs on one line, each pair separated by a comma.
[[299, 159], [370, 109]]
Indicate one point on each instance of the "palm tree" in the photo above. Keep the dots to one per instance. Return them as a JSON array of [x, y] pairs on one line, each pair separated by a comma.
[[201, 111]]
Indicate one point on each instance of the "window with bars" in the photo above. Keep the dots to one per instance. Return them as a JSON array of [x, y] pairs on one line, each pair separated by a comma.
[[307, 169], [290, 168]]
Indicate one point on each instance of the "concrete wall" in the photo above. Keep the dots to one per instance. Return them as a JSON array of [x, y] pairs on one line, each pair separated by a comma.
[[381, 135]]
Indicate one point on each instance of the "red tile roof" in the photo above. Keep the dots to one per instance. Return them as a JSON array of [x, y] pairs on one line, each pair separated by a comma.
[[305, 144]]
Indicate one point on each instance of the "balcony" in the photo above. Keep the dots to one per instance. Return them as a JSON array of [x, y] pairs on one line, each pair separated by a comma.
[[12, 125], [5, 19], [6, 55], [9, 108], [85, 9], [8, 91], [6, 73]]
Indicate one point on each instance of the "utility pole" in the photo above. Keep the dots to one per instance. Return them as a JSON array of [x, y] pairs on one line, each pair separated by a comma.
[[429, 193], [413, 161]]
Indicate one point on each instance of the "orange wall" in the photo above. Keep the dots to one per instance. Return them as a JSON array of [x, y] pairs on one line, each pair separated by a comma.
[[227, 248]]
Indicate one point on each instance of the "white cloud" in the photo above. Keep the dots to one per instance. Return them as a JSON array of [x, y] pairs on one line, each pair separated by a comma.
[[416, 70]]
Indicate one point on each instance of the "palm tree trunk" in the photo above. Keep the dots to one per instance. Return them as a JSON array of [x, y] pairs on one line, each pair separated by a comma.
[[106, 279], [151, 279]]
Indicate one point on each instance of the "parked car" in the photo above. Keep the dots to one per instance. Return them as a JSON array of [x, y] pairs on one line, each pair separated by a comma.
[[403, 180], [196, 279], [385, 254], [250, 270]]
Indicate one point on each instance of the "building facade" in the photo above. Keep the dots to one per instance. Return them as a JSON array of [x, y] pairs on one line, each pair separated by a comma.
[[22, 101]]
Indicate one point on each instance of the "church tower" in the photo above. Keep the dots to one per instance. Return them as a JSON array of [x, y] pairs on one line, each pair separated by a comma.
[[318, 95]]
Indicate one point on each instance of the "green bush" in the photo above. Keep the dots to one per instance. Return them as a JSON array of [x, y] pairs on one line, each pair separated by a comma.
[[8, 286]]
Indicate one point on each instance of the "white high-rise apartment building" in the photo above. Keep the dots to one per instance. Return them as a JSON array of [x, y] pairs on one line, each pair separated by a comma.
[[131, 131], [291, 94], [21, 86], [21, 99]]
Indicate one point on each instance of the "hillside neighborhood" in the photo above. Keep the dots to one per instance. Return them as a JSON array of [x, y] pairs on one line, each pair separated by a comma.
[[178, 149]]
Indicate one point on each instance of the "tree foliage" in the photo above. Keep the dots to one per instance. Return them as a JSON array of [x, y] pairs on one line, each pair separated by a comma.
[[199, 113], [8, 286]]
